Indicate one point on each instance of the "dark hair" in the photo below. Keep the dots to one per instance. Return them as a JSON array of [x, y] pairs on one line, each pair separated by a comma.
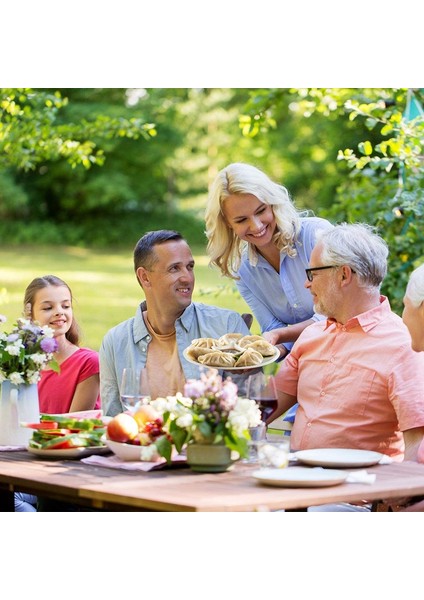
[[73, 335], [144, 255]]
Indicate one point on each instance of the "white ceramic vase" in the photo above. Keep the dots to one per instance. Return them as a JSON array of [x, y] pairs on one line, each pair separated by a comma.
[[17, 403]]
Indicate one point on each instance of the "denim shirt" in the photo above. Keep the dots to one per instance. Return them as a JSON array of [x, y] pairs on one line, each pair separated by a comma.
[[126, 345], [281, 299]]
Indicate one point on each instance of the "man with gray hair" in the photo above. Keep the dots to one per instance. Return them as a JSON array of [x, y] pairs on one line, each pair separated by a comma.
[[356, 379]]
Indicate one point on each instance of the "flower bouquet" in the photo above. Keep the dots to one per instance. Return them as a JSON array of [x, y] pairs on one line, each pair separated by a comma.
[[209, 412], [25, 351]]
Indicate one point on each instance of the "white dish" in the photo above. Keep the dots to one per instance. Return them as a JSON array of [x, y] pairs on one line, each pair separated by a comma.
[[338, 457], [128, 451], [267, 360], [69, 452], [300, 477]]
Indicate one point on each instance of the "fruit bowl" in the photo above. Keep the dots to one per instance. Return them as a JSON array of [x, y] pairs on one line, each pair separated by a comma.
[[129, 451]]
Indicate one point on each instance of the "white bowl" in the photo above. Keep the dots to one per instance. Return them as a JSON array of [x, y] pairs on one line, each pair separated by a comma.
[[127, 451]]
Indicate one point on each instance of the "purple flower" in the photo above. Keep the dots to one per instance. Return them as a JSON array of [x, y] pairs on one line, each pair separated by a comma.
[[194, 388], [12, 337], [49, 345]]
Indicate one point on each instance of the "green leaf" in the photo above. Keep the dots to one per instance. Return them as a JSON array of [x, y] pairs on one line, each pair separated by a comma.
[[164, 447], [365, 148]]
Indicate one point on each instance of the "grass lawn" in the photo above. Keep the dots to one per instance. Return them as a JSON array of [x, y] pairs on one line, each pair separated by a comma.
[[103, 283]]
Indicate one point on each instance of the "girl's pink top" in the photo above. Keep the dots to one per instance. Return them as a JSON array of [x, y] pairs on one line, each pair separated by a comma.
[[56, 390]]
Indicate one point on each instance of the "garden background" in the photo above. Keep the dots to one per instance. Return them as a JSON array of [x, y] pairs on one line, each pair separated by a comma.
[[84, 172]]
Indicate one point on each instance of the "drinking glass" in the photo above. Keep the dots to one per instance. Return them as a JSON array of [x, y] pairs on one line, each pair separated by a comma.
[[257, 434], [261, 388], [273, 454], [134, 387]]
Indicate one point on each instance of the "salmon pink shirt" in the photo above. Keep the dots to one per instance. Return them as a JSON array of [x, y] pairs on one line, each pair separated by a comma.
[[56, 390], [358, 385]]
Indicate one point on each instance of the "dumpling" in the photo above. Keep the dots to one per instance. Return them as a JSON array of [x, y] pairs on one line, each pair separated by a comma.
[[249, 358], [228, 339], [194, 352], [249, 339], [262, 346], [203, 342], [228, 344], [217, 359]]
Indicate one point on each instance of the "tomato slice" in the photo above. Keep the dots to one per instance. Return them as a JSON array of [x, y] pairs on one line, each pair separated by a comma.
[[44, 425]]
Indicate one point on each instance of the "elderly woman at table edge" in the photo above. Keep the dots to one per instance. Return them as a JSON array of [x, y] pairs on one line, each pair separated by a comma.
[[258, 238], [413, 317], [49, 301], [355, 376], [164, 325]]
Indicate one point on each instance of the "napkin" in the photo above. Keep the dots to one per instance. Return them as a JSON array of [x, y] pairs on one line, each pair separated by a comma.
[[11, 448], [360, 477], [114, 462]]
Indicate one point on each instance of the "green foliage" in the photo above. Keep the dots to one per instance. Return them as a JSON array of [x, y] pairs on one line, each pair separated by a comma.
[[30, 131], [386, 180]]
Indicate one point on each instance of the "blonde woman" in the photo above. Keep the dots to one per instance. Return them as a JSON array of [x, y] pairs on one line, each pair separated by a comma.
[[257, 237]]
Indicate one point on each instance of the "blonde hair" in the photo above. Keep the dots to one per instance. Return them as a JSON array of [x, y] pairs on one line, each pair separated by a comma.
[[224, 246]]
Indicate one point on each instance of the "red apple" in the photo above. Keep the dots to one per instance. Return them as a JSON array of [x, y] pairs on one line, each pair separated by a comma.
[[122, 428]]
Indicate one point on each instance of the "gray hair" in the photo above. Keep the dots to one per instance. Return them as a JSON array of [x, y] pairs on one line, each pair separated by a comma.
[[415, 288], [358, 246], [224, 247]]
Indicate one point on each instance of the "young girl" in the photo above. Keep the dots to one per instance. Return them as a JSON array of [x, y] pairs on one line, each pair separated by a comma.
[[48, 300]]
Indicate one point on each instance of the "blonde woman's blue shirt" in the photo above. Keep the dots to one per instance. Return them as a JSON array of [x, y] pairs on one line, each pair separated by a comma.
[[281, 299]]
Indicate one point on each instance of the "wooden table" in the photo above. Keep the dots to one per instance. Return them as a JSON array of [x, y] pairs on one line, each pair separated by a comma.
[[179, 489]]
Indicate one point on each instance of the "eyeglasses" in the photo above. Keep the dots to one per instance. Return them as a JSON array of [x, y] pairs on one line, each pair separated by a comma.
[[310, 275]]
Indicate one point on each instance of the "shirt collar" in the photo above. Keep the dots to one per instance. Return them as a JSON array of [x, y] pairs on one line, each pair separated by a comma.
[[140, 330], [368, 319]]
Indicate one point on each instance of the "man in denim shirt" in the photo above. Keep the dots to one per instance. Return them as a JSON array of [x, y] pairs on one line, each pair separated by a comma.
[[164, 325]]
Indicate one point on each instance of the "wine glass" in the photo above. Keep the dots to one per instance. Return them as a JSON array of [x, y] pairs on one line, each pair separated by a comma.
[[134, 387], [261, 388]]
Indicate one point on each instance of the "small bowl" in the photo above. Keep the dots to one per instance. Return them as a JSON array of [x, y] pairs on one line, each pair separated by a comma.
[[127, 451]]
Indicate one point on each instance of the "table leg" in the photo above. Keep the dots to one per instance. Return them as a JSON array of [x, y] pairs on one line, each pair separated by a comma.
[[7, 501]]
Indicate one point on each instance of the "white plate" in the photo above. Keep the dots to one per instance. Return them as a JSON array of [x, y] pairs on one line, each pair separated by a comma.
[[300, 477], [338, 457], [69, 452], [267, 360]]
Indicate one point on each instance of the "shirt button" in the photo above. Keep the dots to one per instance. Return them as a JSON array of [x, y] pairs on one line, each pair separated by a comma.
[[309, 424], [322, 393], [332, 359], [343, 328], [295, 305]]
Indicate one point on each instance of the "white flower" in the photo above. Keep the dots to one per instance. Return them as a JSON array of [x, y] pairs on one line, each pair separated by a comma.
[[33, 376], [185, 420], [16, 378], [48, 331], [15, 348], [148, 453], [38, 358], [3, 319]]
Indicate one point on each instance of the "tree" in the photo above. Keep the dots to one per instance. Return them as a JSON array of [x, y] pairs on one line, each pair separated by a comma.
[[31, 131]]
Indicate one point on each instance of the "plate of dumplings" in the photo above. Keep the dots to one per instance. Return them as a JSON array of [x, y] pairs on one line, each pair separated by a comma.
[[231, 351]]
